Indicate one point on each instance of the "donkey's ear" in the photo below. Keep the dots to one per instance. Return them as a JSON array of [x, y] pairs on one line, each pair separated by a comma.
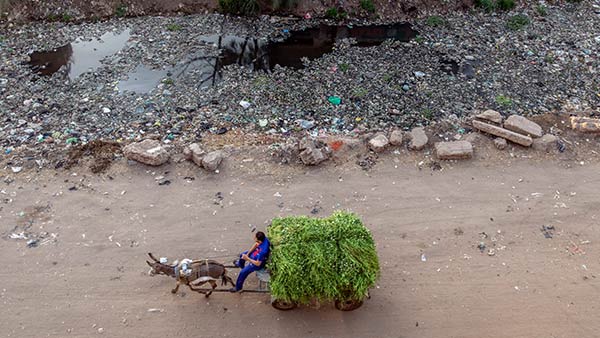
[[149, 263], [151, 256]]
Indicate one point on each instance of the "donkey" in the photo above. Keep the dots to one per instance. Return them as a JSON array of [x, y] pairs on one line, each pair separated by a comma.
[[202, 271]]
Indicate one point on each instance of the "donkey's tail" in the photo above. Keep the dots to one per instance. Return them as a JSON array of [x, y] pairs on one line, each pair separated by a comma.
[[225, 279]]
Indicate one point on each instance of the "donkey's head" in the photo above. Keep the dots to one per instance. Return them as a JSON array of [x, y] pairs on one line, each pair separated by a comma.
[[158, 268]]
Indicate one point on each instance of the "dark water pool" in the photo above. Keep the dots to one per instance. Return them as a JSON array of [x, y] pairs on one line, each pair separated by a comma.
[[80, 56], [250, 52]]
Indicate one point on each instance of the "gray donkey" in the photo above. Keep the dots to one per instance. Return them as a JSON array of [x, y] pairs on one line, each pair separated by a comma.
[[199, 272]]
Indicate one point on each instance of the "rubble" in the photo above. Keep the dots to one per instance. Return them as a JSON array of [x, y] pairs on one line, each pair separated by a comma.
[[212, 160], [378, 143], [195, 153], [500, 143], [149, 152], [455, 150], [491, 116], [520, 124], [546, 143], [585, 124], [504, 133], [418, 139], [313, 152], [396, 138]]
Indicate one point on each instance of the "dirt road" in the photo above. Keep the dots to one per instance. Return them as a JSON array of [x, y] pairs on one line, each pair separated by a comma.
[[91, 279]]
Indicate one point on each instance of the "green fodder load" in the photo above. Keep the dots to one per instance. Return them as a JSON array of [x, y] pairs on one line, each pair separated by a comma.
[[326, 259]]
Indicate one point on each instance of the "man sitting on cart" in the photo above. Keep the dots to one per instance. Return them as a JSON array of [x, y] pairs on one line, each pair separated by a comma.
[[256, 259]]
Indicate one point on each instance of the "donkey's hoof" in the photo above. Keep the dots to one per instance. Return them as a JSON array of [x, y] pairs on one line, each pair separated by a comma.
[[173, 291], [208, 294]]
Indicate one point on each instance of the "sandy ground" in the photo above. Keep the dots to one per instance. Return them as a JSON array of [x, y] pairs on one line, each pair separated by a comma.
[[94, 275]]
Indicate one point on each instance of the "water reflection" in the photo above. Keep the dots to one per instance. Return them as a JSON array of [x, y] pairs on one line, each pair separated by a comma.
[[250, 52], [80, 56]]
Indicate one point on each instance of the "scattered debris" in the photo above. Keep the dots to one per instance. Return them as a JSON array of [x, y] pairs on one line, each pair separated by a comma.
[[548, 231]]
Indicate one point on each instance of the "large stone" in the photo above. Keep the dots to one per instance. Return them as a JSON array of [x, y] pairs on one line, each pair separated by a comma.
[[194, 153], [585, 124], [396, 138], [523, 126], [378, 143], [418, 139], [546, 143], [504, 133], [313, 152], [149, 152], [212, 160], [490, 115], [455, 150], [500, 143]]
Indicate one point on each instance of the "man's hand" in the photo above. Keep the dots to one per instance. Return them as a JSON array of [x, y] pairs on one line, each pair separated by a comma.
[[245, 257]]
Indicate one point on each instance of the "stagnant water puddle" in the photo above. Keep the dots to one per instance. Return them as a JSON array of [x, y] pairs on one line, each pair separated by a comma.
[[250, 52], [80, 56]]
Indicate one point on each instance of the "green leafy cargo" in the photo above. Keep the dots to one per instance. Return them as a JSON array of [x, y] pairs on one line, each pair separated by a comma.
[[327, 259]]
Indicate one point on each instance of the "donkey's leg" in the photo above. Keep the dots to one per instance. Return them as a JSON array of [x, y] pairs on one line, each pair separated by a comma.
[[214, 286], [197, 289], [176, 288]]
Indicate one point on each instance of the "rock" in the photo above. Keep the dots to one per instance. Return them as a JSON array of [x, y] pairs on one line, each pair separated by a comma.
[[500, 143], [546, 143], [313, 152], [212, 160], [585, 124], [378, 143], [345, 147], [490, 115], [194, 153], [149, 152], [455, 150], [474, 138], [396, 138], [288, 151], [522, 125], [504, 133], [418, 139]]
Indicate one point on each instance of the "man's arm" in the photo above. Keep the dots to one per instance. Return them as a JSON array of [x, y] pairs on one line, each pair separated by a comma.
[[252, 248]]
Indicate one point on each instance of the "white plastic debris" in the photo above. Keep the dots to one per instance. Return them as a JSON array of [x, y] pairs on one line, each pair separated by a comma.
[[163, 260], [245, 104]]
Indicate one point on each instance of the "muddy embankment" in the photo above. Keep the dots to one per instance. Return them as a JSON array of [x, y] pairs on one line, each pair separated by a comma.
[[77, 10]]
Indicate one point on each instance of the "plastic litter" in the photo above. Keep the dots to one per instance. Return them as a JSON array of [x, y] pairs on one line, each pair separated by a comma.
[[245, 104], [335, 100]]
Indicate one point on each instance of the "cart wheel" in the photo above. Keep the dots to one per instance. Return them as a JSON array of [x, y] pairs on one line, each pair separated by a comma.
[[348, 305], [283, 305]]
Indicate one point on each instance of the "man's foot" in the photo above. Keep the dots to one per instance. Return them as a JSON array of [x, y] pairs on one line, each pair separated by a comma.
[[234, 290]]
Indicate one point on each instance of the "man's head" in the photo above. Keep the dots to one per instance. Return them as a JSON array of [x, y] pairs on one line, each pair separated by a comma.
[[260, 236]]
